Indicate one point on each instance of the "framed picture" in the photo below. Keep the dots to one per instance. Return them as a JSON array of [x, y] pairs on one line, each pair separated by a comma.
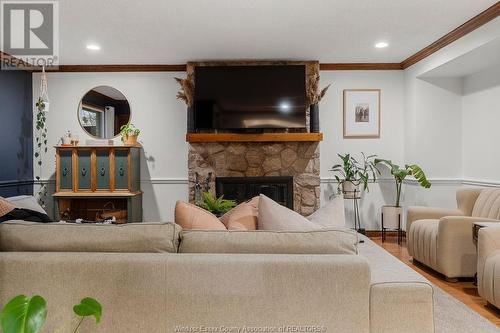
[[361, 113]]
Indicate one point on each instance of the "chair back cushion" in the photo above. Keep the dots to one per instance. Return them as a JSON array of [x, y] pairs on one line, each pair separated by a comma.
[[21, 236], [333, 241], [487, 204]]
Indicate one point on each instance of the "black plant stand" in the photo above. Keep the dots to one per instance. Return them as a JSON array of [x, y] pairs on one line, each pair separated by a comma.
[[399, 230], [355, 196]]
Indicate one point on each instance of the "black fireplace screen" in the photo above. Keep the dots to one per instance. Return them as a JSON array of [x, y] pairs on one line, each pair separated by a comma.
[[241, 189]]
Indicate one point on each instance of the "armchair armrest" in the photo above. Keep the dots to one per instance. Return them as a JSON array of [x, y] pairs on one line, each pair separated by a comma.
[[415, 213], [457, 255], [488, 243]]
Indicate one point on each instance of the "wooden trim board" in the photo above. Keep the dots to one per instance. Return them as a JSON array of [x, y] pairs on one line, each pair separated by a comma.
[[262, 137]]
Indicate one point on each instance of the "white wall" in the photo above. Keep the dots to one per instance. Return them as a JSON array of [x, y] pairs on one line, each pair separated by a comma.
[[481, 119], [154, 109], [389, 146]]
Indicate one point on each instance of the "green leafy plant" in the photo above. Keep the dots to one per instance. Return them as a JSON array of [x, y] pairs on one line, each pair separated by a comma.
[[357, 172], [216, 205], [400, 174], [23, 314], [129, 129], [41, 148]]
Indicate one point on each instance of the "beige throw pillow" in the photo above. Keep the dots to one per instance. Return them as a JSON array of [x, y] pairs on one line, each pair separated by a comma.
[[331, 215], [190, 216], [242, 217], [273, 216]]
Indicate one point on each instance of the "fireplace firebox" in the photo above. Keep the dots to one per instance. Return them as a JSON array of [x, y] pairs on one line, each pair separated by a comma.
[[241, 189]]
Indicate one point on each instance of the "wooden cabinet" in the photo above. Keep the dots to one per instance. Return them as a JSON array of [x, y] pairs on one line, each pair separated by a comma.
[[101, 176]]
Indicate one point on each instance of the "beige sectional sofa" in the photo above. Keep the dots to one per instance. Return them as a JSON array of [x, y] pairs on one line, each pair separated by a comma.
[[152, 277], [442, 238]]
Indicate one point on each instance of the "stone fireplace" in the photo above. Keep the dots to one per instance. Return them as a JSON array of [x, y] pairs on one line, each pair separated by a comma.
[[299, 160]]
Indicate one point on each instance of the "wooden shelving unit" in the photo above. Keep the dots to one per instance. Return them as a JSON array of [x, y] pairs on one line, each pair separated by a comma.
[[262, 137]]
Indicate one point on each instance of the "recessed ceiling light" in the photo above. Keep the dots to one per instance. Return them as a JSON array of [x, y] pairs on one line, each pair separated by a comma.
[[93, 47], [381, 45]]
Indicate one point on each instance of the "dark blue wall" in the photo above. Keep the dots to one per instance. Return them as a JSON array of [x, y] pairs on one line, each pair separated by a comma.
[[16, 133]]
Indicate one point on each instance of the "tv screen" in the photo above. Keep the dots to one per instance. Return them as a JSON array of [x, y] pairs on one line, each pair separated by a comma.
[[252, 97]]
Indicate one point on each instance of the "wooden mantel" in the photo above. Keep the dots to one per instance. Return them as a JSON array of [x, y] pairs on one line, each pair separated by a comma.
[[261, 137]]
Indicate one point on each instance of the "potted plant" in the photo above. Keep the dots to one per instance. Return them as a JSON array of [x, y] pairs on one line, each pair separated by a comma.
[[129, 134], [352, 173], [392, 214], [217, 206]]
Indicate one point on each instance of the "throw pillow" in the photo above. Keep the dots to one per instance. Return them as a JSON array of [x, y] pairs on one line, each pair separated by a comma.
[[273, 216], [331, 215], [27, 202], [242, 217], [190, 216], [5, 207]]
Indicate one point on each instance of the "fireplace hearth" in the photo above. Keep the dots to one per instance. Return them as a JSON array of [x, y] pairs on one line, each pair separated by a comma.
[[241, 189]]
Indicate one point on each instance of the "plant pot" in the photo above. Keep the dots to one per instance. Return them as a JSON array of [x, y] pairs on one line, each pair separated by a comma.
[[392, 217], [314, 118], [130, 140], [350, 189], [190, 119]]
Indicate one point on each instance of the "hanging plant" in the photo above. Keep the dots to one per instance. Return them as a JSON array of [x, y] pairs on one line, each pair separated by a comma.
[[41, 137], [186, 93]]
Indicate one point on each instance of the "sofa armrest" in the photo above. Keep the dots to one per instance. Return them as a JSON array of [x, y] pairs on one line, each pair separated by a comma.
[[456, 251], [488, 243], [401, 307], [415, 213]]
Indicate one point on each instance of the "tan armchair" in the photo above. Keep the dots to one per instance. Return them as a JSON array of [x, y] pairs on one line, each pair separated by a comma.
[[488, 257], [442, 238]]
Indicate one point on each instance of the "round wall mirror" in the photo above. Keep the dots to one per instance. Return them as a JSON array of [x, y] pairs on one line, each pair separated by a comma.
[[102, 111]]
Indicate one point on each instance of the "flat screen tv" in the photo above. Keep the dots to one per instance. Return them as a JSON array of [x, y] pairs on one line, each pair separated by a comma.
[[250, 97]]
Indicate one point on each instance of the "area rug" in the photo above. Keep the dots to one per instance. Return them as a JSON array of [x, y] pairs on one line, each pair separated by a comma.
[[451, 315]]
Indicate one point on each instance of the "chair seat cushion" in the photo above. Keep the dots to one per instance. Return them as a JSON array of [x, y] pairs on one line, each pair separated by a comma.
[[422, 239]]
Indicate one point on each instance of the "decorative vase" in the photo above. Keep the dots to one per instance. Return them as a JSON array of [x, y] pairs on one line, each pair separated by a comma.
[[314, 118], [350, 189], [391, 217], [130, 140], [190, 119]]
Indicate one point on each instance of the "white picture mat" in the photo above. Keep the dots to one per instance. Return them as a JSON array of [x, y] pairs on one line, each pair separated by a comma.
[[353, 98]]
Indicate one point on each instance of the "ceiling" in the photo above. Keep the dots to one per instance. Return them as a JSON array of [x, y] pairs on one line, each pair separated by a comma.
[[484, 57], [174, 32]]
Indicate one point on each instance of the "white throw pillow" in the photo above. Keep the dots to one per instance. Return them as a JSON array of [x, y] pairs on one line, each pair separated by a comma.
[[273, 216], [26, 202], [331, 215]]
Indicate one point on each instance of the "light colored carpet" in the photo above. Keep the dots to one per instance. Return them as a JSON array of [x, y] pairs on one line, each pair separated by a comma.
[[451, 315]]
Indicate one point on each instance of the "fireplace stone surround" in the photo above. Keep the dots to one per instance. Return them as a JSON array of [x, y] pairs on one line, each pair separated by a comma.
[[299, 160]]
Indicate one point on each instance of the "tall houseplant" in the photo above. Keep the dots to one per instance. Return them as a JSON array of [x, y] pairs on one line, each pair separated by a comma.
[[351, 173], [392, 214]]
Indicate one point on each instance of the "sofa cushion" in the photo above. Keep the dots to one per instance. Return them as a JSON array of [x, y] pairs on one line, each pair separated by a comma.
[[333, 241], [21, 236], [487, 204], [26, 202], [242, 217], [190, 216], [331, 215]]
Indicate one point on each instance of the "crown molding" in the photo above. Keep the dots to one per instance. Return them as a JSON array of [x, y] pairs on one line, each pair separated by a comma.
[[469, 26], [464, 29]]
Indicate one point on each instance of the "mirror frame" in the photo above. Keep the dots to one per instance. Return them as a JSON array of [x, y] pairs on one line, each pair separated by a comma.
[[80, 107]]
